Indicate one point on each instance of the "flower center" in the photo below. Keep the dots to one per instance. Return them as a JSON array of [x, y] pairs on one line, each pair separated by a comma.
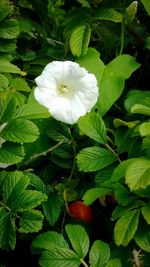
[[63, 89]]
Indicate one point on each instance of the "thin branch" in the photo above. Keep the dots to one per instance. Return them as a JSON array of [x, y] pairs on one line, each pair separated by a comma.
[[113, 152], [83, 262]]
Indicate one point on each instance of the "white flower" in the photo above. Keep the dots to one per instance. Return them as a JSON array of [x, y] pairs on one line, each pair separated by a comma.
[[67, 90]]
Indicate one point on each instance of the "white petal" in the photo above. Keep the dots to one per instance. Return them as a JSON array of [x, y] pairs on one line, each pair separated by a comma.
[[45, 96]]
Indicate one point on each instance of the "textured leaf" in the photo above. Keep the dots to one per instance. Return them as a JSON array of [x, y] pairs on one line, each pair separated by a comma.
[[93, 126], [31, 221], [14, 182], [94, 159], [146, 4], [48, 240], [7, 231], [20, 84], [78, 238], [99, 254], [122, 195], [137, 101], [58, 130], [140, 109], [5, 9], [120, 171], [113, 79], [11, 153], [59, 257], [27, 200], [6, 66], [53, 208], [19, 130], [3, 81], [108, 14], [126, 227], [138, 174], [146, 212], [7, 45], [92, 194], [9, 29], [144, 129], [36, 182], [7, 107], [79, 40], [31, 111]]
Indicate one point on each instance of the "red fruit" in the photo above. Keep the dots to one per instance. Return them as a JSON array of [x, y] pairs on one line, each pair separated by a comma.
[[80, 211]]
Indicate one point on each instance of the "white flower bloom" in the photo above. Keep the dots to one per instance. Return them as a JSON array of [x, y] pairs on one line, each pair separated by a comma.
[[67, 90]]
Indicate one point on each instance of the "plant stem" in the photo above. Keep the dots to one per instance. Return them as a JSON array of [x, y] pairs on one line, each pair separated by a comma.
[[4, 206], [113, 152], [36, 156], [83, 262], [74, 160], [122, 38]]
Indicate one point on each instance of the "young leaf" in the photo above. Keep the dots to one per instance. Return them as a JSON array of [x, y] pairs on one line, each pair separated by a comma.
[[94, 159], [7, 231], [31, 221], [19, 130], [58, 130], [108, 14], [114, 262], [53, 208], [48, 240], [93, 126], [92, 194], [59, 257], [146, 212], [99, 254], [27, 200], [79, 40], [138, 174], [20, 84], [144, 128], [113, 79], [126, 227], [137, 98], [11, 153], [6, 66], [78, 238]]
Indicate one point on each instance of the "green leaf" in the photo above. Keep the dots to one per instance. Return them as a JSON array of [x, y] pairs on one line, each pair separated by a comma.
[[7, 107], [31, 221], [126, 227], [146, 212], [130, 12], [6, 66], [79, 40], [27, 200], [93, 126], [113, 79], [3, 81], [92, 194], [120, 171], [15, 182], [58, 131], [92, 63], [59, 257], [11, 153], [19, 130], [144, 128], [122, 195], [94, 159], [7, 45], [7, 231], [108, 14], [138, 174], [99, 254], [146, 5], [138, 102], [31, 111], [120, 210], [53, 207], [20, 84], [142, 238], [78, 238], [36, 182], [114, 262], [5, 9], [48, 240], [9, 29]]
